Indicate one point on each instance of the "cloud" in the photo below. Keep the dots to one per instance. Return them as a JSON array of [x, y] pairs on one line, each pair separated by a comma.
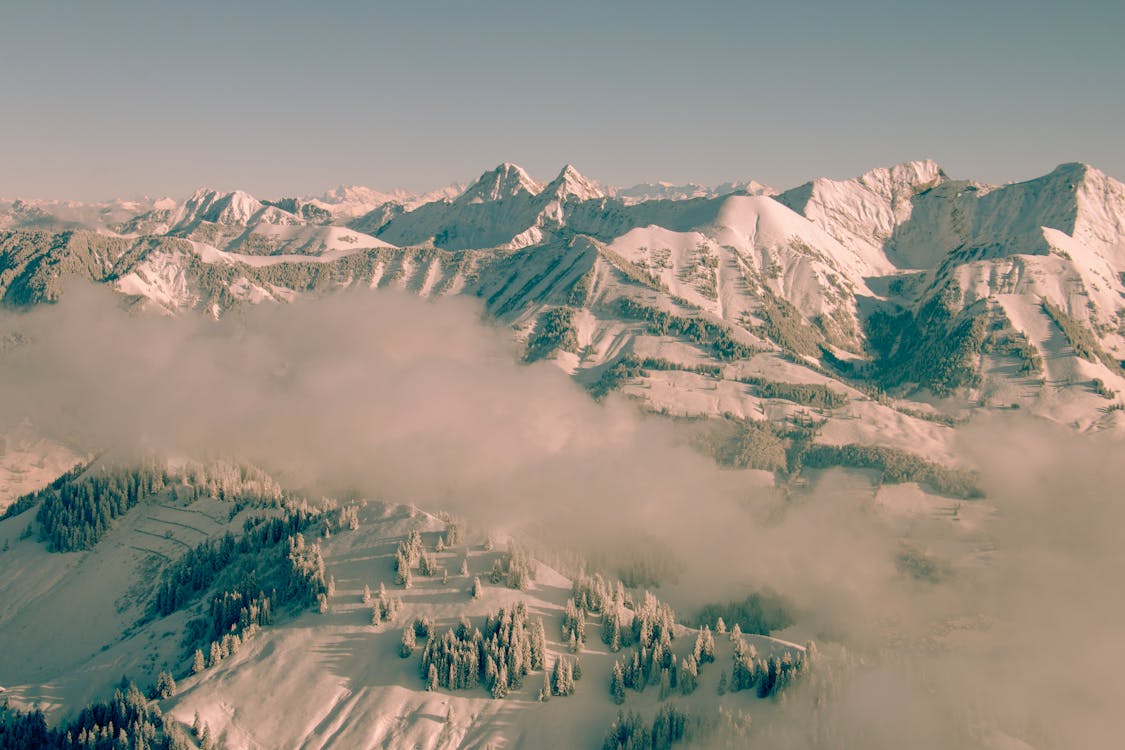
[[424, 402]]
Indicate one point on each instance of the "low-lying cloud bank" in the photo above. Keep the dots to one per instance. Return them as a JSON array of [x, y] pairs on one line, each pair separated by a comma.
[[395, 397]]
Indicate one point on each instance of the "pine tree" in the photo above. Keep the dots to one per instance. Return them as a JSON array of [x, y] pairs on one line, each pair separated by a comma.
[[706, 646], [432, 679], [720, 626], [476, 588], [723, 684], [464, 567], [689, 675], [197, 726], [545, 691], [409, 641], [166, 685], [617, 684], [366, 594], [500, 684], [197, 663]]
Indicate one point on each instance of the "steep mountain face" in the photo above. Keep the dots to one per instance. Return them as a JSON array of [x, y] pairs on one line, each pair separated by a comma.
[[863, 213], [939, 291]]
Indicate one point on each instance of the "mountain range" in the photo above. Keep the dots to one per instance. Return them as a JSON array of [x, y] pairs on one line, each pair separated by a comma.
[[918, 299]]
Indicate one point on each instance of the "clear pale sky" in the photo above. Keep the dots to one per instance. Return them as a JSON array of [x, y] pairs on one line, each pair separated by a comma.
[[112, 98]]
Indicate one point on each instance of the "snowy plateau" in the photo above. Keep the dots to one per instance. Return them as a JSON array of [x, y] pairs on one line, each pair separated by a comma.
[[774, 433]]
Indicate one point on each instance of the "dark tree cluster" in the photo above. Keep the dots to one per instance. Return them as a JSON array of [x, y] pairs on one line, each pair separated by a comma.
[[454, 533], [199, 568], [703, 332], [554, 331], [630, 731], [896, 466], [561, 677], [653, 662], [574, 626], [77, 513], [240, 483], [515, 568], [767, 677], [407, 555], [384, 607], [593, 593], [307, 583], [497, 657], [128, 721], [271, 555]]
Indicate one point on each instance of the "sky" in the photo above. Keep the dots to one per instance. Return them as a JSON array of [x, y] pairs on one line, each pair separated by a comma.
[[280, 98]]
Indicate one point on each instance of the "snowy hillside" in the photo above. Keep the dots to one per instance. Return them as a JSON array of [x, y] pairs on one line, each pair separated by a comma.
[[342, 674]]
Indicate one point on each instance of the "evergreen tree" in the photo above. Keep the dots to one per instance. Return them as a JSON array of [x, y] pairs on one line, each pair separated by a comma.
[[723, 684], [409, 641], [464, 567], [735, 634], [617, 684], [432, 678], [197, 663], [366, 594], [545, 691], [720, 626], [476, 588], [165, 685], [689, 675]]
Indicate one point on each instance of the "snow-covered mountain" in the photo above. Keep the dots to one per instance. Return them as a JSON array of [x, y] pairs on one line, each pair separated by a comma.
[[902, 280], [665, 191]]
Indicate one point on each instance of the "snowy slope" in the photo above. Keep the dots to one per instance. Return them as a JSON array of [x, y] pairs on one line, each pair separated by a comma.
[[331, 680]]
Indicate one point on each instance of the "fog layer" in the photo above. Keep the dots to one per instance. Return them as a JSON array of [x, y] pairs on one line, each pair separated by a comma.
[[1020, 641]]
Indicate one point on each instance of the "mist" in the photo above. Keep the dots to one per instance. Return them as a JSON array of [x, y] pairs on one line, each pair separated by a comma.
[[392, 397]]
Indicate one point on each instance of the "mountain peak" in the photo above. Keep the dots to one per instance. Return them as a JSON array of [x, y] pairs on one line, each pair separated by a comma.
[[207, 204], [911, 175], [505, 181], [573, 184]]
